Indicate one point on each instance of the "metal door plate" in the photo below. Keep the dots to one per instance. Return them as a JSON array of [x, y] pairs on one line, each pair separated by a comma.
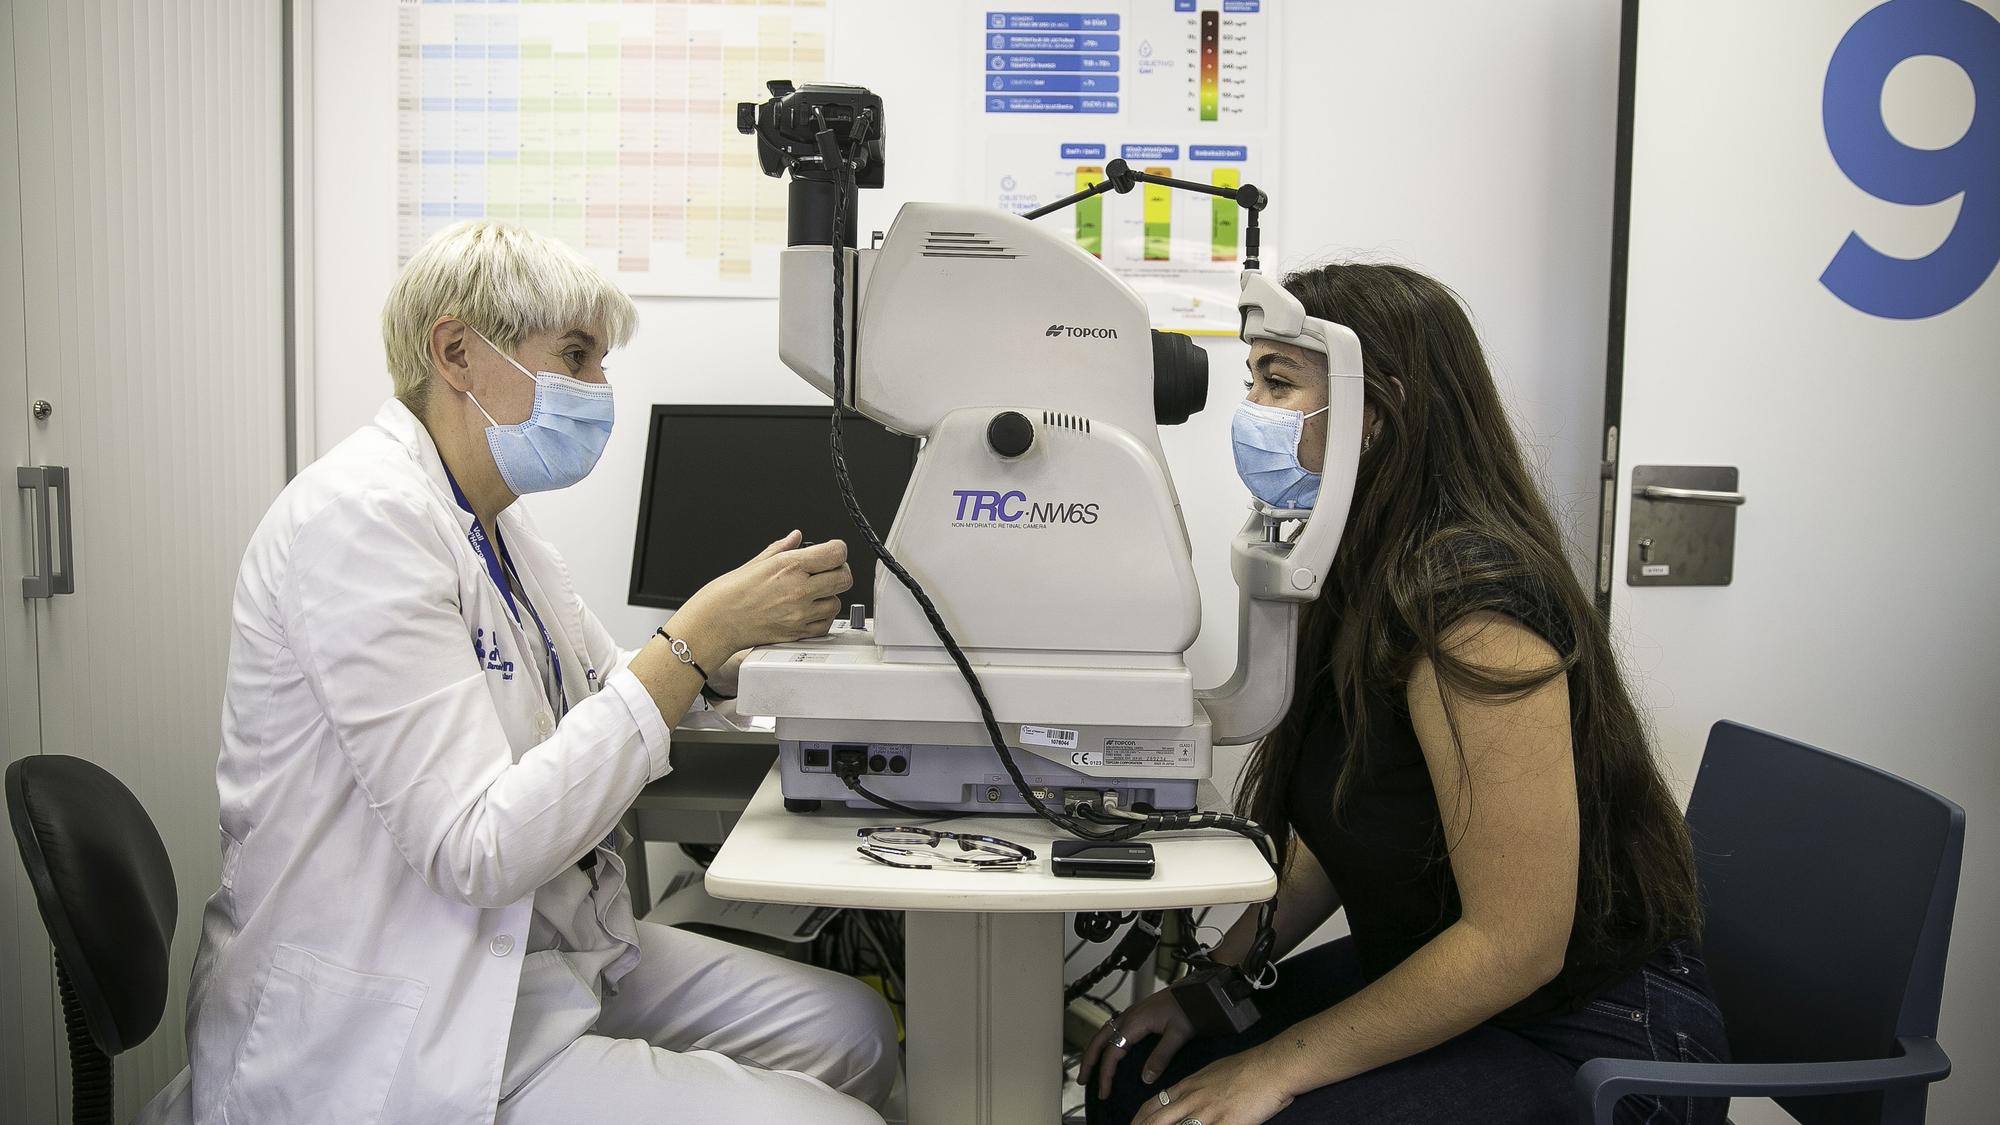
[[1680, 542]]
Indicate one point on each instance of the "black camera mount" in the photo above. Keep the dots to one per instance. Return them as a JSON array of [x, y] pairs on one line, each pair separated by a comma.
[[829, 137]]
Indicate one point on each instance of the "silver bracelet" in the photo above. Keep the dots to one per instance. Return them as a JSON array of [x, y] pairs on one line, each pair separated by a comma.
[[680, 650]]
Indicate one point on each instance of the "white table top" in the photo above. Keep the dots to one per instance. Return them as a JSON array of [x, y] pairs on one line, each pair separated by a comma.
[[776, 856]]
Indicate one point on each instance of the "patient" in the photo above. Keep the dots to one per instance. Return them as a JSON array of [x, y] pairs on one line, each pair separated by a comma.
[[1462, 769]]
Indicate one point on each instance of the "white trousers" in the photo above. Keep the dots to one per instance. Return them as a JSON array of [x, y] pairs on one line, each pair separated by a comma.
[[704, 1031]]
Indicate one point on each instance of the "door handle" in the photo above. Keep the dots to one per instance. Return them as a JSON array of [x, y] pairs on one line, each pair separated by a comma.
[[49, 578], [34, 478], [1690, 495]]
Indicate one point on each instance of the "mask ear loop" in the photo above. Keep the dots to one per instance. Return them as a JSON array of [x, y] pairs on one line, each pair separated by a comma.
[[509, 359], [1303, 419], [482, 410]]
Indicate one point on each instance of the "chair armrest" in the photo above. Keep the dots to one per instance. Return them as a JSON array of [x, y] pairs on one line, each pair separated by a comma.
[[1600, 1083]]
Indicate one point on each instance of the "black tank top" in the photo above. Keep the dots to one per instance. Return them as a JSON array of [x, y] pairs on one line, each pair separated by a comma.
[[1385, 851]]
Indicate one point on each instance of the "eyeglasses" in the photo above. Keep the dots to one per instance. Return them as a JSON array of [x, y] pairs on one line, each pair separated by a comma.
[[925, 849]]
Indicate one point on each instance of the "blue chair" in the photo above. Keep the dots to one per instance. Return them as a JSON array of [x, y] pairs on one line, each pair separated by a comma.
[[1829, 887]]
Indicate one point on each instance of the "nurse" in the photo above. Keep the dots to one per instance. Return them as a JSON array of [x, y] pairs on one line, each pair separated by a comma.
[[428, 742]]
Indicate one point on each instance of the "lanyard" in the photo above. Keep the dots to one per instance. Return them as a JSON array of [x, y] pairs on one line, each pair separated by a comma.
[[498, 570]]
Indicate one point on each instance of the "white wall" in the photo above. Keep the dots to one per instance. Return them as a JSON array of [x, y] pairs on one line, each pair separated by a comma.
[[1472, 140]]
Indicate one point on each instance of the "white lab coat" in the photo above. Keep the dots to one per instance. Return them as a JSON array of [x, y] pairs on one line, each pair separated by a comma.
[[391, 800]]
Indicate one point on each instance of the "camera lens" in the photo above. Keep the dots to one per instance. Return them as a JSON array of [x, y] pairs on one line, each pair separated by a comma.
[[1180, 378]]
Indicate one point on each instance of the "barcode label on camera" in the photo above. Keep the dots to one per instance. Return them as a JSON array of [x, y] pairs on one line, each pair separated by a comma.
[[1056, 738]]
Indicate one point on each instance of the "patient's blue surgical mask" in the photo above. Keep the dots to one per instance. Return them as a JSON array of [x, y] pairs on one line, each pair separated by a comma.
[[1267, 454], [563, 437]]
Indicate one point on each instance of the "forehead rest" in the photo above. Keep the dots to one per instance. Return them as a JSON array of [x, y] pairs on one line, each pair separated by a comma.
[[1269, 312]]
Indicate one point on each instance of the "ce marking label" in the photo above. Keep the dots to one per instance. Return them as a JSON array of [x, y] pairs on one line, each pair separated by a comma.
[[1084, 758]]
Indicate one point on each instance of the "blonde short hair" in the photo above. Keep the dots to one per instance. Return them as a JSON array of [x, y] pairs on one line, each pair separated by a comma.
[[505, 281]]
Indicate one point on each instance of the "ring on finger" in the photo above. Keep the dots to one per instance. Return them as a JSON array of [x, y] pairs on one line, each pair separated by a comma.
[[1164, 1099], [1190, 1121], [1120, 1042]]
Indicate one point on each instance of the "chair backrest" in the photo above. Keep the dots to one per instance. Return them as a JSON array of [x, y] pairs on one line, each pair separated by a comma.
[[1829, 886], [105, 887]]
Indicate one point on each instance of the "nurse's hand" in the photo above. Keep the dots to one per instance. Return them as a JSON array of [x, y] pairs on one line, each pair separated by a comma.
[[784, 594]]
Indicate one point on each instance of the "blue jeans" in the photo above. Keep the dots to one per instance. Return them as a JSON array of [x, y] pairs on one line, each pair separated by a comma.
[[1490, 1074]]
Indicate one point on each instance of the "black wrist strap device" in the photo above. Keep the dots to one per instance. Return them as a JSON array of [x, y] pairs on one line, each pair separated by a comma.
[[1216, 1000]]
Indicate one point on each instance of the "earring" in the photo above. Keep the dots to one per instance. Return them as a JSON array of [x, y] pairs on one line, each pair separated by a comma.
[[1367, 439]]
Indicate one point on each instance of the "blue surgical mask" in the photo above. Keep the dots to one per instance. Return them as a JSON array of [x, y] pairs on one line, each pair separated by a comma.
[[563, 437], [1267, 454]]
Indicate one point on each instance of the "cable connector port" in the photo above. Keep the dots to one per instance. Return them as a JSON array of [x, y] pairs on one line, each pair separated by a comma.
[[1075, 799], [850, 761]]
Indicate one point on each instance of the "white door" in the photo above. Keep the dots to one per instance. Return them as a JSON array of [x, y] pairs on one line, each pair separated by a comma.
[[149, 229], [1855, 394]]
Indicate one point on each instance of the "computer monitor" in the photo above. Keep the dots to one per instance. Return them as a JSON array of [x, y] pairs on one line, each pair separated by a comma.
[[723, 481]]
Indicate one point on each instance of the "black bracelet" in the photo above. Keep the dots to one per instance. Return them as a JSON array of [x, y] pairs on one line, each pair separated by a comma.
[[680, 650], [713, 696]]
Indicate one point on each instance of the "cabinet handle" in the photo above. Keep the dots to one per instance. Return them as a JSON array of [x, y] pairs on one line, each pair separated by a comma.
[[63, 579], [39, 584]]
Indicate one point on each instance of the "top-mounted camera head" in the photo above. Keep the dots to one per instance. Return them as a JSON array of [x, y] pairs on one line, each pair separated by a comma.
[[815, 132]]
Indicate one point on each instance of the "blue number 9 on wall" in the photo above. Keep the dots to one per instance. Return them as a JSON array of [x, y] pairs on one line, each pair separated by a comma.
[[1886, 168]]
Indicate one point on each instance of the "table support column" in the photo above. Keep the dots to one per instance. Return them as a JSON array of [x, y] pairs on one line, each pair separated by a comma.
[[634, 855], [985, 1017]]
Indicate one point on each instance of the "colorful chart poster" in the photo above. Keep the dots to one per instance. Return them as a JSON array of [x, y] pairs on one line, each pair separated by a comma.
[[1177, 88], [1181, 251], [1151, 62], [609, 125]]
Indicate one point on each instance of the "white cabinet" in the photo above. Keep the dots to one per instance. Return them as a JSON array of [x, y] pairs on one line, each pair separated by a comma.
[[143, 299]]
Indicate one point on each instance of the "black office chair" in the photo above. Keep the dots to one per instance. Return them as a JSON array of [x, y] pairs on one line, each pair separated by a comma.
[[1830, 887], [107, 898]]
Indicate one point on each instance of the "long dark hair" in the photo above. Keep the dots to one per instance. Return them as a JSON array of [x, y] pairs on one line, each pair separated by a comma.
[[1447, 522]]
